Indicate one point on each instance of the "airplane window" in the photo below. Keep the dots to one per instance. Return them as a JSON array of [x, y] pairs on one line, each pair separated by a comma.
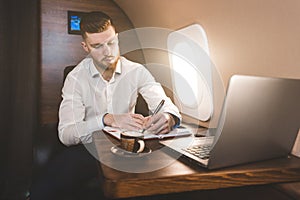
[[191, 71]]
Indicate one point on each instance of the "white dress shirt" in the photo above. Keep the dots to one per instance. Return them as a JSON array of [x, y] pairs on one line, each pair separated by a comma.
[[87, 97]]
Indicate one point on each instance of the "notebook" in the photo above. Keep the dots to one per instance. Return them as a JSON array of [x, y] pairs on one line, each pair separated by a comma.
[[260, 120], [177, 132]]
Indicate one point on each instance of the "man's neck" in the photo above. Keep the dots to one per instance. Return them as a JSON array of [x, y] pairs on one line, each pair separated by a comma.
[[107, 71]]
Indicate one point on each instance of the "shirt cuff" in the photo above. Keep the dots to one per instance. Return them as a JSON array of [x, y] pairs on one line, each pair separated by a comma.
[[95, 124], [103, 119], [177, 121]]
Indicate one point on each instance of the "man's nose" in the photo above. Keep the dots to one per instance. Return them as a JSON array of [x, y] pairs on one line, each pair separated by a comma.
[[106, 49]]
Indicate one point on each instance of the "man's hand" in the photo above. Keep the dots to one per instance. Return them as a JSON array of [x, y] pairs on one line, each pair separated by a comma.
[[160, 123], [126, 121]]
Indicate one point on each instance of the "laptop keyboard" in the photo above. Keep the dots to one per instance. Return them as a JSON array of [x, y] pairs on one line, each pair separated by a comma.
[[201, 151]]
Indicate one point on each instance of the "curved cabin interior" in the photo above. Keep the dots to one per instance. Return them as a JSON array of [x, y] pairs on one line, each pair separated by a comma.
[[248, 37]]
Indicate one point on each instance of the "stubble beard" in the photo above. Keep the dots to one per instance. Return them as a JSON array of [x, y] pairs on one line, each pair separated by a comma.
[[106, 66]]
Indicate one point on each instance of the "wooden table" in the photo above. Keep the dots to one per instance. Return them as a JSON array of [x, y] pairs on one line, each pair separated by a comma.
[[119, 177]]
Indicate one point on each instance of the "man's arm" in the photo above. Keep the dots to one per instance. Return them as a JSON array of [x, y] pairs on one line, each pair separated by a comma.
[[169, 116], [73, 126]]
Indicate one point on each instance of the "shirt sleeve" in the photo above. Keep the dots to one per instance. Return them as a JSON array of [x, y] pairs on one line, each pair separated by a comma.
[[73, 127], [153, 93]]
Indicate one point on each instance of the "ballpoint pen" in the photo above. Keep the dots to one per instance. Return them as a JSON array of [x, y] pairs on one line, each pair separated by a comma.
[[157, 109], [160, 105]]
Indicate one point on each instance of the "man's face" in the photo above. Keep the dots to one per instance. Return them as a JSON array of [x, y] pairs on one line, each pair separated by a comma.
[[103, 47]]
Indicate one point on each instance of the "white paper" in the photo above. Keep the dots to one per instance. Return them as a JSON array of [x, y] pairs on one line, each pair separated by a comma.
[[296, 148], [177, 132]]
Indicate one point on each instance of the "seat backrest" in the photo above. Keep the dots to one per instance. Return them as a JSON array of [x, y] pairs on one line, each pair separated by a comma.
[[67, 70]]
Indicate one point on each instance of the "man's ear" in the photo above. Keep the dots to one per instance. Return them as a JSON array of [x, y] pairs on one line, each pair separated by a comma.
[[84, 46]]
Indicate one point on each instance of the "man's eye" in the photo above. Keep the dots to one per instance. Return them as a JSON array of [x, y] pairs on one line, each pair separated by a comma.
[[97, 46], [111, 43]]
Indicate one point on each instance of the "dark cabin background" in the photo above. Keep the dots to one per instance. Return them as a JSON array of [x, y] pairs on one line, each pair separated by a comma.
[[19, 89]]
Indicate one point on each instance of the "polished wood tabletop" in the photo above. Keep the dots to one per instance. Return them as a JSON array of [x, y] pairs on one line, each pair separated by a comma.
[[159, 172]]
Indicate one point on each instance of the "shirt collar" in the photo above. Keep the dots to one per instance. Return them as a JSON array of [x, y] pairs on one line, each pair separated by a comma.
[[118, 67], [95, 72], [93, 69]]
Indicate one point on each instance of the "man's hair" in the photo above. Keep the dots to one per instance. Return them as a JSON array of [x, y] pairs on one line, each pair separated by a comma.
[[95, 22]]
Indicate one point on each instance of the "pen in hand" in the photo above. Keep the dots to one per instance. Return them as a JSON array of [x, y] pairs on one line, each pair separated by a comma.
[[160, 105], [157, 109]]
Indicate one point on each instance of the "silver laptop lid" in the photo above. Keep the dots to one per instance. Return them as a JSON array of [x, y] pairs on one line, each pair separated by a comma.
[[260, 120]]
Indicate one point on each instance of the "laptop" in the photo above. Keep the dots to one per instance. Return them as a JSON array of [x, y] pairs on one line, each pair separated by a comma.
[[260, 119]]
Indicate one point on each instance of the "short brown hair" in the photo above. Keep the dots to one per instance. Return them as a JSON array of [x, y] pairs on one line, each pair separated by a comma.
[[95, 22]]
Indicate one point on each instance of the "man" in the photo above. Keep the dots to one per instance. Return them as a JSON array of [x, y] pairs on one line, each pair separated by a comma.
[[103, 88], [101, 91]]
